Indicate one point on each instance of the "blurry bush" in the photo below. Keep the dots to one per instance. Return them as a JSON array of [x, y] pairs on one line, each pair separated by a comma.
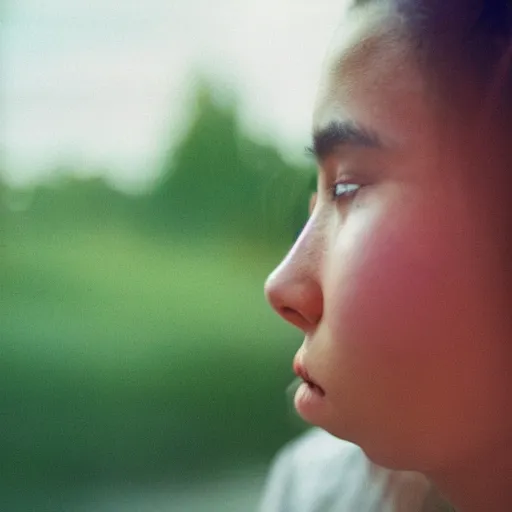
[[135, 339]]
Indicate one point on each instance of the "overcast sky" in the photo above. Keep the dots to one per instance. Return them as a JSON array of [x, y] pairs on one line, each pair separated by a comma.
[[103, 83]]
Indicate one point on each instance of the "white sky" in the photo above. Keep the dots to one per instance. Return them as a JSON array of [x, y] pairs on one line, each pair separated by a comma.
[[103, 83]]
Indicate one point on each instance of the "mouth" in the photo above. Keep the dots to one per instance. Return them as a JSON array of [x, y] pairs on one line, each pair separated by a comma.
[[302, 373]]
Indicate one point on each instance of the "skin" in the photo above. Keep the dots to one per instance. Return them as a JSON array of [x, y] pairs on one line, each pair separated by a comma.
[[398, 287]]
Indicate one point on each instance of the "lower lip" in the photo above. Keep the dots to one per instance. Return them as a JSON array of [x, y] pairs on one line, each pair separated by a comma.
[[307, 400]]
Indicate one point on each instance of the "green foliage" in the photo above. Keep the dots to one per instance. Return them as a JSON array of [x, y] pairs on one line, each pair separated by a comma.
[[220, 179], [136, 342]]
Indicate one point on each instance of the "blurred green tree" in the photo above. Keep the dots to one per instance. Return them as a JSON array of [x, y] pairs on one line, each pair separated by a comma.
[[126, 354], [219, 179]]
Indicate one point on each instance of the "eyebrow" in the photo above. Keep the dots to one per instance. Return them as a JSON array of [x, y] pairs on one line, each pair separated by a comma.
[[341, 133]]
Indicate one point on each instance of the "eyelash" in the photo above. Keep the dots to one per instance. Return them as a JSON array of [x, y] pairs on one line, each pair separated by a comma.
[[344, 190]]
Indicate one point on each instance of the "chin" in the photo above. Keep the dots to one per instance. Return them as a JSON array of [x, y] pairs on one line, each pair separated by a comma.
[[377, 449]]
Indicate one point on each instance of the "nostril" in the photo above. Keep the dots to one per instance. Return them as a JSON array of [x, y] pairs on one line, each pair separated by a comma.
[[294, 317], [286, 311]]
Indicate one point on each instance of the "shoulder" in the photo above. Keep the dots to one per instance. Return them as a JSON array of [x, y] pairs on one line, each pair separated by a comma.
[[317, 457], [320, 473]]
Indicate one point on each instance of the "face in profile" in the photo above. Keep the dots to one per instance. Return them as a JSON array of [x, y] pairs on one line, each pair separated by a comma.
[[404, 340]]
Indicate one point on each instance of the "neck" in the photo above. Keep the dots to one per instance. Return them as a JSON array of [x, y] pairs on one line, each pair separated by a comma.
[[484, 484]]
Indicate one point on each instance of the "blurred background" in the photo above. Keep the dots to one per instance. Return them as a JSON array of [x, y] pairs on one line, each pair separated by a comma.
[[152, 173]]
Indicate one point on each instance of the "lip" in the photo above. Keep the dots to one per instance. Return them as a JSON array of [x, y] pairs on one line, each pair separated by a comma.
[[300, 370], [309, 398]]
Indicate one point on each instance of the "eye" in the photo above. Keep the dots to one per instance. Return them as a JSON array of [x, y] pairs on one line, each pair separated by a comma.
[[344, 190]]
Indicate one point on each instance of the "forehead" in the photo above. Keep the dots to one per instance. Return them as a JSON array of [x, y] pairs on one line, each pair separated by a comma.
[[370, 76]]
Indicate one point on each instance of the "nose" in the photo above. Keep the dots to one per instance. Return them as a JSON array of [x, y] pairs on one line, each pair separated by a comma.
[[293, 289]]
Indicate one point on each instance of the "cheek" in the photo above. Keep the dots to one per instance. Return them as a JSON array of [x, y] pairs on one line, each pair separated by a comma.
[[406, 330], [399, 275]]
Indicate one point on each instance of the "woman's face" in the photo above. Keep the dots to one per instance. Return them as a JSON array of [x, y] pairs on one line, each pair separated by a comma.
[[392, 280]]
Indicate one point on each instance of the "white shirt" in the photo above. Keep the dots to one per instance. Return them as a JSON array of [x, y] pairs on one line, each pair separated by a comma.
[[320, 473]]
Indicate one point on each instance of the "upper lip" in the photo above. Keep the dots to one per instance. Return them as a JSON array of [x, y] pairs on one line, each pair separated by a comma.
[[301, 371]]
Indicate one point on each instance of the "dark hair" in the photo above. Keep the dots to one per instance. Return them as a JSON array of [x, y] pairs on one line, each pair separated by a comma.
[[471, 38], [461, 40]]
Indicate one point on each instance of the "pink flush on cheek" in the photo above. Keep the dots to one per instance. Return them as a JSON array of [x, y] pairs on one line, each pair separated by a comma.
[[384, 277]]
